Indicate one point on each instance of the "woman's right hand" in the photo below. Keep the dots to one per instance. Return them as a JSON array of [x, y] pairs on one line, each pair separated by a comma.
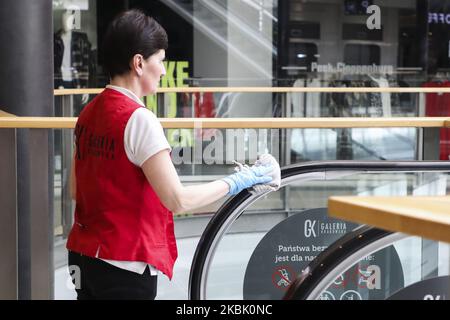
[[248, 177]]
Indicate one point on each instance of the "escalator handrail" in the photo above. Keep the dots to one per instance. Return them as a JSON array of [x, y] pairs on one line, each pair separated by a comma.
[[221, 217], [332, 258]]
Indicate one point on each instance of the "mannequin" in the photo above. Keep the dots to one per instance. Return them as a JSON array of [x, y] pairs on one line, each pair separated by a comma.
[[385, 96], [72, 55], [68, 21]]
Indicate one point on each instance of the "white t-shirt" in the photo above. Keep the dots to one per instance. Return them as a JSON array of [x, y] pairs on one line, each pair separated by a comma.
[[143, 138]]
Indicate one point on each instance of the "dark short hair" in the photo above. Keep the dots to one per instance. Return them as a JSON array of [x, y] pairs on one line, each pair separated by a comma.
[[131, 32]]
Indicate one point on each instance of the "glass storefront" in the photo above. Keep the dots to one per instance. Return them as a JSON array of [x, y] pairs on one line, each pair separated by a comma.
[[270, 43]]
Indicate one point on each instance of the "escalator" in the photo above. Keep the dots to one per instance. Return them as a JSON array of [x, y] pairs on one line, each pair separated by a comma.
[[283, 244], [350, 270]]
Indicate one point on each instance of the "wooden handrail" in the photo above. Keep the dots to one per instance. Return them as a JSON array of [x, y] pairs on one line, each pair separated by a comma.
[[243, 123], [427, 217], [63, 92], [6, 114]]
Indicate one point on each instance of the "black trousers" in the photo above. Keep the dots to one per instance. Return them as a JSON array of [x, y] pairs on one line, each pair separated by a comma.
[[95, 279]]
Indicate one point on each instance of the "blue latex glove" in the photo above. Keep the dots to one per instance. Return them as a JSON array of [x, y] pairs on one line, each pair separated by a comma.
[[248, 178]]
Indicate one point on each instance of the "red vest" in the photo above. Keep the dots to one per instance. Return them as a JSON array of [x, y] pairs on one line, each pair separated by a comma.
[[117, 211]]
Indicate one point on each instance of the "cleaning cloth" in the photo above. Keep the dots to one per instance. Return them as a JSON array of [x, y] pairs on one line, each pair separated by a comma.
[[264, 160]]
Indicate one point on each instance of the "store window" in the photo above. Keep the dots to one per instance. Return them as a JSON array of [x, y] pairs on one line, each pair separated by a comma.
[[255, 42], [273, 43]]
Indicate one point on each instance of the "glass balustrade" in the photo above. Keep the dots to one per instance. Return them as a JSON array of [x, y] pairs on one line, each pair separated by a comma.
[[264, 243]]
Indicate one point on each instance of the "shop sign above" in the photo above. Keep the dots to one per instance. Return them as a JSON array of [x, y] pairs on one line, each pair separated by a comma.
[[438, 18]]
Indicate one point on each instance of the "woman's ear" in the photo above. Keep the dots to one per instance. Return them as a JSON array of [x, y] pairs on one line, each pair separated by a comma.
[[136, 64]]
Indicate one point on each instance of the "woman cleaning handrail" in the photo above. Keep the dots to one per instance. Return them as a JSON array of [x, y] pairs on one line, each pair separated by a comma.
[[123, 179]]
